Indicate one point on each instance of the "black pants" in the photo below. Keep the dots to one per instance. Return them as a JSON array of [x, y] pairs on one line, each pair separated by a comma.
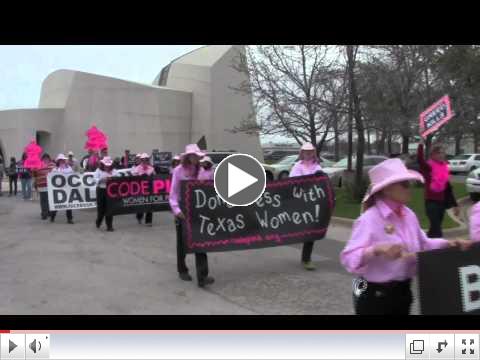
[[393, 298], [45, 212], [13, 184], [307, 251], [435, 213], [201, 260], [148, 217], [69, 213], [102, 208]]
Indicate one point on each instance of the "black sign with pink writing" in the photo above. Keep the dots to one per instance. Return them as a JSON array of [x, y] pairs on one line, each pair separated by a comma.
[[133, 194], [290, 211]]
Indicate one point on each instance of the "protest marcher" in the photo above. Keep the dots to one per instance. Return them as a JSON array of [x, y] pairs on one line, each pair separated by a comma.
[[73, 162], [25, 178], [2, 170], [91, 162], [144, 169], [117, 163], [40, 176], [103, 153], [62, 167], [307, 164], [475, 222], [102, 174], [187, 170], [126, 159], [206, 169], [439, 195], [12, 174], [137, 159], [175, 163], [384, 242]]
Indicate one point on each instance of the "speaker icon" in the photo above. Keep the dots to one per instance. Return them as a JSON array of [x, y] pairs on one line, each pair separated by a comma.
[[35, 346]]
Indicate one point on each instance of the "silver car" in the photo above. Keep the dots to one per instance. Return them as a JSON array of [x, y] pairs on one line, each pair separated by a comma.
[[337, 170], [281, 169]]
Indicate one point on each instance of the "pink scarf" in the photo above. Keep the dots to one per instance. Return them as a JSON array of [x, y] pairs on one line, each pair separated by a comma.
[[439, 176]]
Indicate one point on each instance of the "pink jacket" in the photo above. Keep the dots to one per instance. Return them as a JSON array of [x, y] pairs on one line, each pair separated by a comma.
[[305, 168], [475, 222], [139, 170], [179, 173], [206, 174], [381, 225]]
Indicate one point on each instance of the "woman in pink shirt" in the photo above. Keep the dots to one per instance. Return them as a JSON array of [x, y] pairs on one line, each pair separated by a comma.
[[384, 242], [206, 169], [307, 164], [475, 222], [188, 169], [144, 168]]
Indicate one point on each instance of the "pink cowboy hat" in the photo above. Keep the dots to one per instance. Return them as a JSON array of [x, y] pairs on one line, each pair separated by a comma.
[[193, 149], [107, 161], [307, 146], [144, 156], [389, 172]]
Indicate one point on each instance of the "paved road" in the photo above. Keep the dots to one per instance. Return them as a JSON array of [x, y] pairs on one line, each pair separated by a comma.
[[76, 269]]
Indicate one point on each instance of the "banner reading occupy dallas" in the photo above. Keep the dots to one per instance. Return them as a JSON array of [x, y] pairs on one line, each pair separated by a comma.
[[290, 211]]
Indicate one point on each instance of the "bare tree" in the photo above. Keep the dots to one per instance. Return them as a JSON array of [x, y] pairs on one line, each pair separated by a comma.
[[288, 84]]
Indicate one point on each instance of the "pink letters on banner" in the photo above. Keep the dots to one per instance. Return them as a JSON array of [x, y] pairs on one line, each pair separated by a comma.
[[435, 116]]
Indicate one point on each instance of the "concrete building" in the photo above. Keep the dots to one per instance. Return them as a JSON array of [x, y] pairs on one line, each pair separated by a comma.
[[191, 98]]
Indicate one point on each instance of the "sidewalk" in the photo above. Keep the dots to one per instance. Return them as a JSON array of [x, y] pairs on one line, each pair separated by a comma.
[[76, 269]]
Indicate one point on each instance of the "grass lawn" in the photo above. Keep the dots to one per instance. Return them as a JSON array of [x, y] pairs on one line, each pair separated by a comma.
[[347, 209]]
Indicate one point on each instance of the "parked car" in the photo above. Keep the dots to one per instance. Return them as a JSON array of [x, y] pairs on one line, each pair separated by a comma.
[[464, 163], [281, 169], [473, 184], [335, 172]]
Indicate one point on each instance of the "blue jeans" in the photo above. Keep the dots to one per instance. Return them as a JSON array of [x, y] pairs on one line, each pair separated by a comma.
[[26, 188]]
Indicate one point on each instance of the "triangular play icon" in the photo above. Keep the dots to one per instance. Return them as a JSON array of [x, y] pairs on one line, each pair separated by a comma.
[[11, 346], [238, 180]]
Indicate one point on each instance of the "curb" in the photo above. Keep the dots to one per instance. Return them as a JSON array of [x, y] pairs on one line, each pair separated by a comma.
[[460, 230]]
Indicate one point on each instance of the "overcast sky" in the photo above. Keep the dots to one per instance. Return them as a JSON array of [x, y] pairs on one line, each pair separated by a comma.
[[25, 67]]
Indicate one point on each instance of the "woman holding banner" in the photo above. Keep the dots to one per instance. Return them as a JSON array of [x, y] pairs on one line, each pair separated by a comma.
[[101, 175], [144, 169], [62, 167], [307, 164], [40, 176], [206, 169], [188, 170], [438, 191], [384, 242]]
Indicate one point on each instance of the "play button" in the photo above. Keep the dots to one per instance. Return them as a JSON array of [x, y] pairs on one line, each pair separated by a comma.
[[239, 180]]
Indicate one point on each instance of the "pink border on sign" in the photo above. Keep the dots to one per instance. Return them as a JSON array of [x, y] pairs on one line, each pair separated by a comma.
[[445, 99], [253, 238]]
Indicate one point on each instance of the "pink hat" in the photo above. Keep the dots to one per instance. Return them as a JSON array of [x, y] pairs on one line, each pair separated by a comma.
[[107, 161], [193, 149], [307, 146], [389, 172], [207, 159], [176, 157], [144, 156]]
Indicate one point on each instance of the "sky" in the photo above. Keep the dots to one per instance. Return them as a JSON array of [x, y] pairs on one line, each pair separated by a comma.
[[25, 67]]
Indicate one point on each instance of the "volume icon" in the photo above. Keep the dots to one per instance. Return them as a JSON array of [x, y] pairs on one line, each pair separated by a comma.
[[35, 346]]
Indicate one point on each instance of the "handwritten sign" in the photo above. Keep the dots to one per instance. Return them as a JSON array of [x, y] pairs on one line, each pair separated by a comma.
[[290, 211], [449, 281], [435, 116], [132, 194]]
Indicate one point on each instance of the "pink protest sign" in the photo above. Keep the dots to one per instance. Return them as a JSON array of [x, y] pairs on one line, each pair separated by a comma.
[[435, 116]]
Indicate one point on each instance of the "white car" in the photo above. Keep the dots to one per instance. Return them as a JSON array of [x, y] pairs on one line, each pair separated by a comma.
[[336, 171], [473, 184], [464, 163]]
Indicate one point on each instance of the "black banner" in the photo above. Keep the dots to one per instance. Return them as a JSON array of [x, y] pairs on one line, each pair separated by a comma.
[[132, 194], [449, 281], [290, 211]]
